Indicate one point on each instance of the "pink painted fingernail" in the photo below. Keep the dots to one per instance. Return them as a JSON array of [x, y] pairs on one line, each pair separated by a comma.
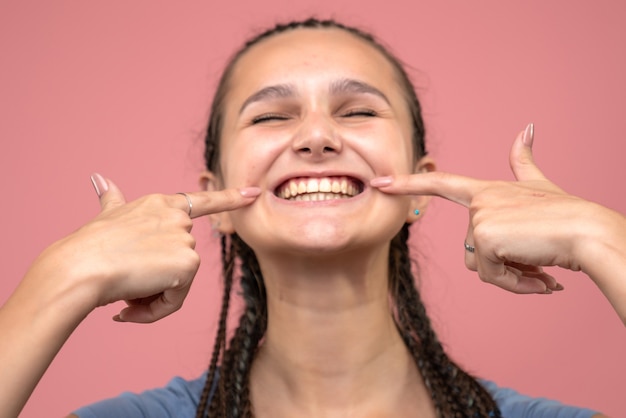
[[381, 181], [250, 191], [529, 135], [99, 183]]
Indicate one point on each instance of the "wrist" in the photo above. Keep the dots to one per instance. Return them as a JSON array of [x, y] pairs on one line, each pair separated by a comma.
[[602, 256], [56, 281], [603, 236]]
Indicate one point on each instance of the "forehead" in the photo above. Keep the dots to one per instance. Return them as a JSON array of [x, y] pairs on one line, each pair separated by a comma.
[[304, 56]]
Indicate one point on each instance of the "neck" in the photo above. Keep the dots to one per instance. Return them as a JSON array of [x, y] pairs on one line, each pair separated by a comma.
[[331, 342]]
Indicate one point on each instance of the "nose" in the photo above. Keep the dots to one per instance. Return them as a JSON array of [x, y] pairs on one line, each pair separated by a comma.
[[317, 138]]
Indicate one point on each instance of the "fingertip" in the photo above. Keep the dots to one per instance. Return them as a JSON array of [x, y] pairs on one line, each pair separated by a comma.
[[112, 187], [133, 314], [99, 184], [528, 285], [112, 197], [521, 158], [381, 181], [529, 135], [250, 191], [532, 285]]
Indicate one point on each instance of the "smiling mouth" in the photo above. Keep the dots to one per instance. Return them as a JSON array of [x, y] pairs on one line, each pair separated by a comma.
[[319, 188]]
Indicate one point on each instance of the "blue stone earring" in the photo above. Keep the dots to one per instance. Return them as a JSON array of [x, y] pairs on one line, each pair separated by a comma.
[[416, 212]]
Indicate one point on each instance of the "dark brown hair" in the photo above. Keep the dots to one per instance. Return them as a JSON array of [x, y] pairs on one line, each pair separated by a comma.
[[226, 393]]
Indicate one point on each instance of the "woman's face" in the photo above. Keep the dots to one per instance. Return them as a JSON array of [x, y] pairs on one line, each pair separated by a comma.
[[311, 116]]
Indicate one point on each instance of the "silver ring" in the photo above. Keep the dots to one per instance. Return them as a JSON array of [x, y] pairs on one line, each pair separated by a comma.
[[188, 202], [469, 247]]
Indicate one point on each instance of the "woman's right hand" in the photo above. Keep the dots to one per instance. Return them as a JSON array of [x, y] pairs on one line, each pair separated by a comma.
[[141, 251]]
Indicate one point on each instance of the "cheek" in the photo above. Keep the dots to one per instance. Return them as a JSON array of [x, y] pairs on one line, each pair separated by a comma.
[[246, 159], [400, 153], [388, 151]]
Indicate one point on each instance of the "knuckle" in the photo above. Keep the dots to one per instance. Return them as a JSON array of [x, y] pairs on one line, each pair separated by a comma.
[[470, 262], [481, 205], [178, 217], [481, 232], [231, 197], [192, 260], [483, 277], [185, 259], [442, 178], [487, 234], [525, 159], [190, 241], [474, 212], [216, 201], [154, 199]]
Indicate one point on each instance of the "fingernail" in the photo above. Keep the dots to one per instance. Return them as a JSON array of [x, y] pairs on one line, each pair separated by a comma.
[[545, 292], [381, 181], [529, 135], [99, 183], [250, 191], [558, 287], [118, 318]]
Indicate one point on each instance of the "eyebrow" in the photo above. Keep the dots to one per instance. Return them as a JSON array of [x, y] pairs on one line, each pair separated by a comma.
[[352, 86], [341, 86], [278, 91]]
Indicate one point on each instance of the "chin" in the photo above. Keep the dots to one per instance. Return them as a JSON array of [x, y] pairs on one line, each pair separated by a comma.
[[320, 238]]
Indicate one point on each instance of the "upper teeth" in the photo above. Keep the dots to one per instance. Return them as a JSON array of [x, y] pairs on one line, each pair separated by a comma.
[[322, 188]]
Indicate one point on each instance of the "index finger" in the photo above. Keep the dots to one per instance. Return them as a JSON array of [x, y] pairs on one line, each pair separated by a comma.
[[456, 188], [205, 203]]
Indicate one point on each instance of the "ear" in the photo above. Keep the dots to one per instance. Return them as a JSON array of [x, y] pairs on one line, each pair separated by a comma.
[[419, 203], [220, 222]]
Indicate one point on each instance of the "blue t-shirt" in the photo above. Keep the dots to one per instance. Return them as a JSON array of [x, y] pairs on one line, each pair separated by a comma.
[[180, 399]]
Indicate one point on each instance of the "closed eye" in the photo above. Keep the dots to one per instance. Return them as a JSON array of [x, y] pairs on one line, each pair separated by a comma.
[[359, 112], [268, 117]]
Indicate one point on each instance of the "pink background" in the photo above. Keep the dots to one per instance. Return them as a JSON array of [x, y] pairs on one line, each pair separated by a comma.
[[123, 88]]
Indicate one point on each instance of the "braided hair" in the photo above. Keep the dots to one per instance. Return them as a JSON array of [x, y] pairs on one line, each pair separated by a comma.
[[226, 393]]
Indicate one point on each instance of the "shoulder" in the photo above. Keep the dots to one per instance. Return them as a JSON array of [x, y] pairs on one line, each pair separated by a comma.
[[179, 397], [514, 404]]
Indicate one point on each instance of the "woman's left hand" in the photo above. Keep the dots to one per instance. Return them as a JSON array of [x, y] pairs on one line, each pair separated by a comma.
[[518, 227]]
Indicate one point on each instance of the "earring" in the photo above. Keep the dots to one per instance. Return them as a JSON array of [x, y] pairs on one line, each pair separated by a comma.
[[416, 212], [215, 227]]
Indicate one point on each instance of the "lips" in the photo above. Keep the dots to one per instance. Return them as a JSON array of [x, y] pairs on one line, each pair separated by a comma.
[[319, 188]]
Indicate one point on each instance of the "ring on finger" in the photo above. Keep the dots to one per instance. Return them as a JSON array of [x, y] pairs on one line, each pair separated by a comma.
[[468, 247], [189, 204]]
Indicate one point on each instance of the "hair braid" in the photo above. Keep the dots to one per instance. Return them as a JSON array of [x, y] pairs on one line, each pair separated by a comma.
[[251, 329], [231, 393], [228, 266], [454, 392]]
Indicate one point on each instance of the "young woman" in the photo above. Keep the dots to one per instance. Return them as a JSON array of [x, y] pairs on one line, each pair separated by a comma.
[[316, 167]]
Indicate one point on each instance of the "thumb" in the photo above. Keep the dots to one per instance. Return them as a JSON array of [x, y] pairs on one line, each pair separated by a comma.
[[109, 194], [521, 156]]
